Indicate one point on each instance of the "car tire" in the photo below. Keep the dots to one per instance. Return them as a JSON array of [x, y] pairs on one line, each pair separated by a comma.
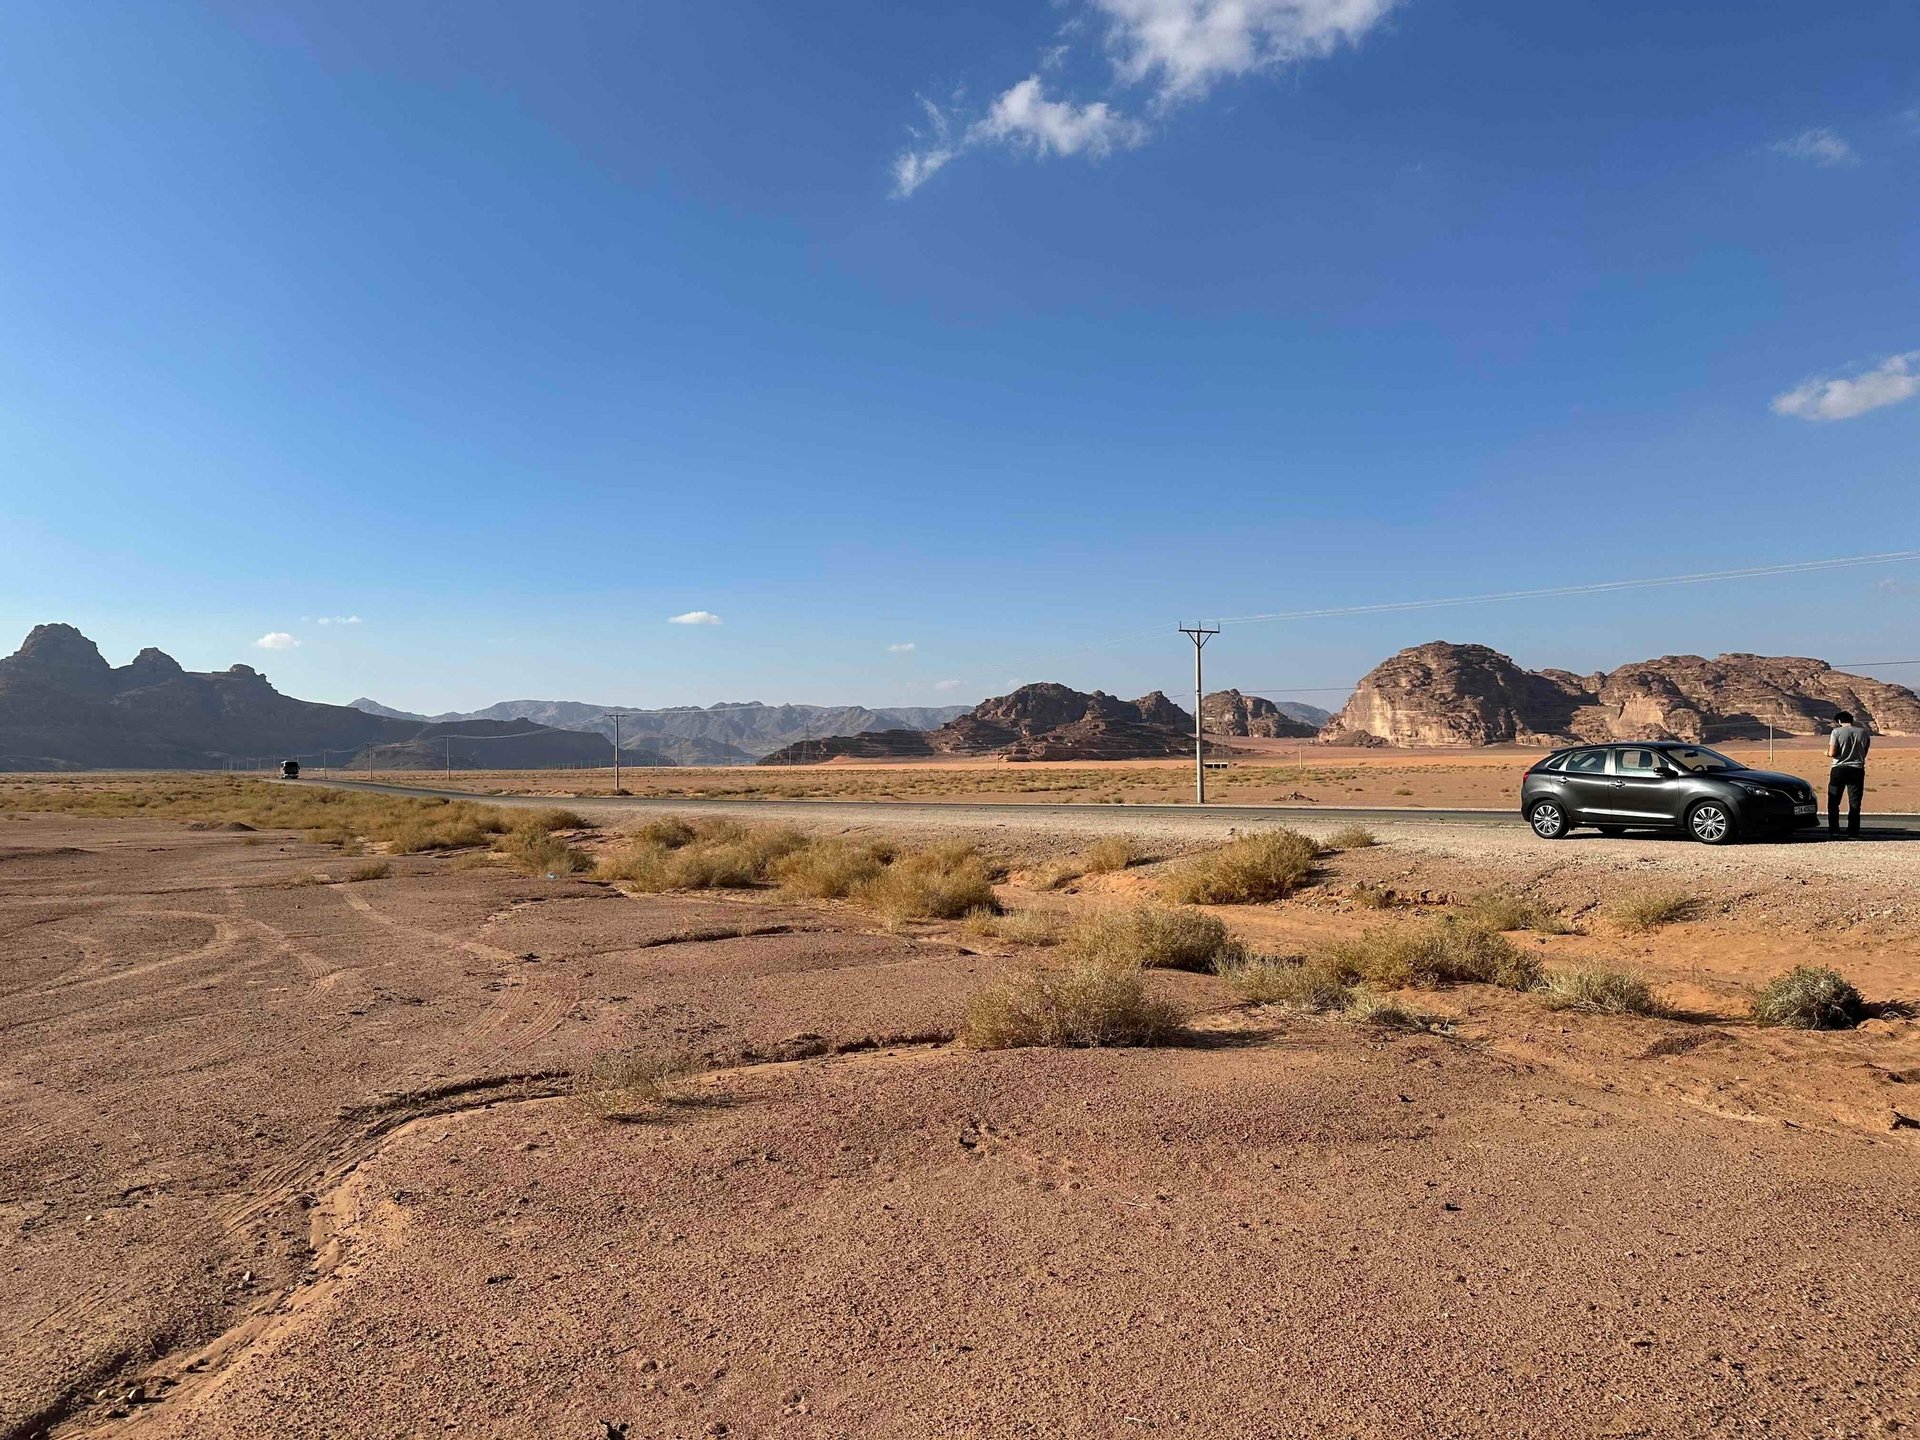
[[1711, 823], [1549, 820]]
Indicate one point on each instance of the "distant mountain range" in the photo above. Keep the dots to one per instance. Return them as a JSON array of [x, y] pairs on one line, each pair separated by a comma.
[[62, 707], [729, 733]]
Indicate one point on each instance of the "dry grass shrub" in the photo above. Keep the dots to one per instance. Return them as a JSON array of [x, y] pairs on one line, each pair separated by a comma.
[[1601, 991], [1390, 1014], [1289, 982], [1104, 857], [674, 854], [370, 870], [1054, 874], [550, 819], [1151, 936], [1352, 837], [1650, 909], [538, 852], [1081, 1004], [826, 870], [1371, 897], [1424, 956], [1508, 910], [940, 882], [1809, 997], [1019, 927], [1255, 868], [627, 1084]]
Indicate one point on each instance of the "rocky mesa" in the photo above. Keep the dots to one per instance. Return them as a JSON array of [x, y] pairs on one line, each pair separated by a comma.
[[1445, 694]]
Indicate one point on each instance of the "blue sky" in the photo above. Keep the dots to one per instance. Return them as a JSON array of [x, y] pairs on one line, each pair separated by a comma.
[[1003, 331]]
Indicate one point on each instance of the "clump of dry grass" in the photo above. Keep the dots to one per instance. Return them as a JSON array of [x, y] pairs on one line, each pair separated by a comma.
[[1290, 982], [1081, 1004], [550, 819], [1509, 910], [940, 882], [673, 854], [1352, 837], [1390, 1014], [825, 870], [1371, 897], [1444, 953], [1651, 909], [1116, 852], [1020, 927], [534, 851], [626, 1084], [1270, 865], [1809, 997], [303, 882], [669, 832], [1054, 874], [1601, 991], [370, 870], [1151, 936]]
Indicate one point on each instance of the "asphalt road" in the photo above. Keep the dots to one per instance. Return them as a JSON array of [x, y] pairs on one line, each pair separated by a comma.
[[1025, 814]]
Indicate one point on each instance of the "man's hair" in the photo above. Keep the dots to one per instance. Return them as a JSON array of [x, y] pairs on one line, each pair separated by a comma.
[[1843, 717]]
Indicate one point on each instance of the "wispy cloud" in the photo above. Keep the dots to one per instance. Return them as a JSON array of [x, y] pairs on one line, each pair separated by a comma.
[[903, 647], [1842, 397], [1902, 588], [694, 617], [338, 620], [276, 640], [1820, 146], [946, 684], [1164, 52]]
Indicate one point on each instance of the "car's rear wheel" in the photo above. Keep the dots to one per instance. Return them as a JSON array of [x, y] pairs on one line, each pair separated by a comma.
[[1549, 820], [1711, 823]]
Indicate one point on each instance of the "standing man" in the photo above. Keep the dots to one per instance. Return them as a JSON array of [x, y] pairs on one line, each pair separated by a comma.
[[1847, 747]]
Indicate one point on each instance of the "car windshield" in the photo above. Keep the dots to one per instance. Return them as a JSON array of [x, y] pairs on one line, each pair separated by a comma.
[[1700, 760]]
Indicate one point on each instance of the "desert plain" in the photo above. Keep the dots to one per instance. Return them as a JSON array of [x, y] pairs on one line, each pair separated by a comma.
[[315, 1123]]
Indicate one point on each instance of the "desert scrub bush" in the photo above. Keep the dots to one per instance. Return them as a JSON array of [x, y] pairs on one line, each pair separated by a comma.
[[825, 870], [1351, 837], [1444, 953], [1289, 982], [1054, 874], [1020, 927], [1268, 866], [370, 870], [624, 1084], [1809, 997], [705, 855], [1507, 910], [1116, 852], [941, 882], [1371, 897], [1151, 936], [1389, 1014], [1081, 1004], [669, 832], [1600, 991], [550, 819], [1650, 909], [537, 852]]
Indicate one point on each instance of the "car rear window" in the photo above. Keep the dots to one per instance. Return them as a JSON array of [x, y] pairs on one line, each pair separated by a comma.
[[1586, 762]]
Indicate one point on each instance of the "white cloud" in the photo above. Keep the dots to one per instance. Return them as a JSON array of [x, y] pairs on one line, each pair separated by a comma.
[[1180, 48], [1897, 587], [1184, 46], [904, 647], [946, 684], [694, 617], [338, 620], [1821, 146], [1023, 117], [1842, 397], [276, 640]]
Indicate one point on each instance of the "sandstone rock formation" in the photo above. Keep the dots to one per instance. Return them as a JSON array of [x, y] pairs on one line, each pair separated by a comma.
[[1447, 694], [1228, 712]]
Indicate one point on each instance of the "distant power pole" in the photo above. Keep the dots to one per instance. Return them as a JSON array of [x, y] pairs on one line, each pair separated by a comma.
[[1199, 634], [618, 716], [449, 757]]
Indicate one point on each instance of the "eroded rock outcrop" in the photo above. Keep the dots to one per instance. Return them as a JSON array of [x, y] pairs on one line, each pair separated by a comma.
[[1228, 712], [1447, 694]]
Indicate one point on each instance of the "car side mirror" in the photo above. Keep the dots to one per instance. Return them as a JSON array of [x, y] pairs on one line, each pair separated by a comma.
[[1666, 772]]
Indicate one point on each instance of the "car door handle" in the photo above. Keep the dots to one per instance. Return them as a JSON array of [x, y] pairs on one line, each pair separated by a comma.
[[1619, 785]]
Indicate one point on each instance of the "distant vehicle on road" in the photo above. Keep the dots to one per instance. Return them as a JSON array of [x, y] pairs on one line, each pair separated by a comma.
[[290, 769], [1662, 785]]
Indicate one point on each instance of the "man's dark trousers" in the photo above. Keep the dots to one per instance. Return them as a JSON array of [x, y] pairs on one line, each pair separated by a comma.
[[1848, 780]]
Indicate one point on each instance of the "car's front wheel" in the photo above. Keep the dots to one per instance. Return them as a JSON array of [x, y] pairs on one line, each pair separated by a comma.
[[1549, 820], [1711, 823]]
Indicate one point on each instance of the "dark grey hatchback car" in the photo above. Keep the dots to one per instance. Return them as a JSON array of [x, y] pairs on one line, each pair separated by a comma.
[[1663, 785]]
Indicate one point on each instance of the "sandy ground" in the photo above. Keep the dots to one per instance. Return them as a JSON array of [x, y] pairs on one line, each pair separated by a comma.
[[289, 1158], [1267, 772]]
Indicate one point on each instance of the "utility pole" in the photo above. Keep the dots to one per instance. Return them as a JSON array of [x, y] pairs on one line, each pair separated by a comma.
[[1199, 634], [449, 757], [1769, 743], [618, 716]]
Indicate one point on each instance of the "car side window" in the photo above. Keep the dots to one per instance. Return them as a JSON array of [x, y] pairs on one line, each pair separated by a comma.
[[1636, 761], [1587, 762]]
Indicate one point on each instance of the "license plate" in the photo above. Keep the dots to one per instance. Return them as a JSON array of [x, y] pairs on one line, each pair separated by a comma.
[[1803, 809]]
